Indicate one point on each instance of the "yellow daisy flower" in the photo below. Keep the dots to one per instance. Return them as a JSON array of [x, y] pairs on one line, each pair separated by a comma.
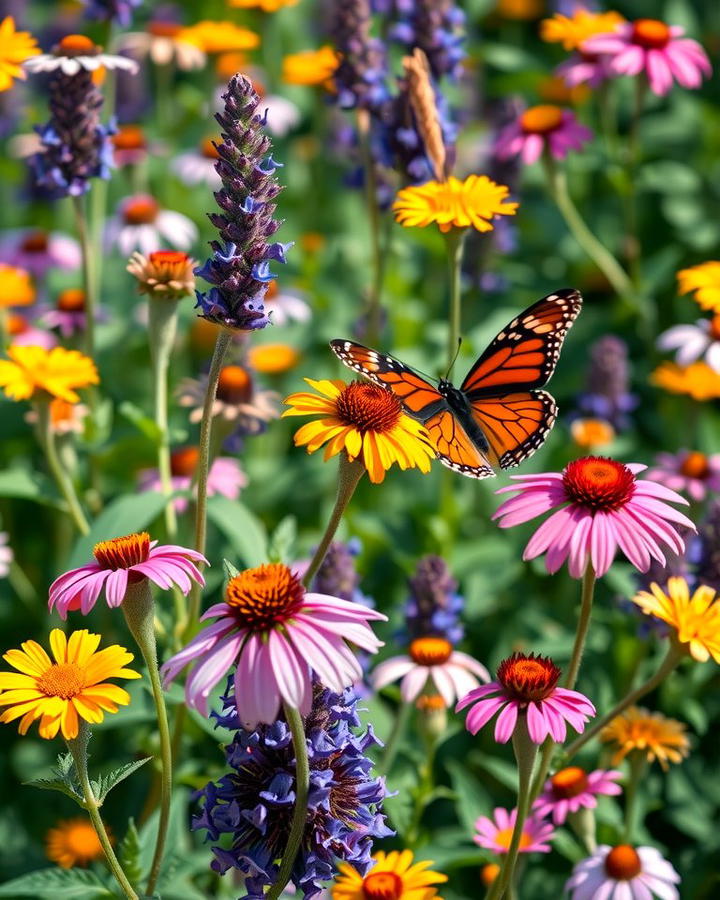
[[453, 203], [651, 734], [365, 421], [310, 67], [59, 692], [16, 287], [393, 877], [696, 619], [267, 6], [73, 842], [704, 280], [571, 31], [15, 48], [58, 372], [272, 359], [218, 37], [697, 380]]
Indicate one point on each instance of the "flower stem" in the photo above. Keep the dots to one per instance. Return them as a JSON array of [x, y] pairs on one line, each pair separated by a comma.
[[302, 790], [374, 315], [349, 474], [638, 765], [633, 249], [139, 610], [393, 742], [673, 657], [62, 479], [88, 274], [454, 240], [162, 329], [78, 748]]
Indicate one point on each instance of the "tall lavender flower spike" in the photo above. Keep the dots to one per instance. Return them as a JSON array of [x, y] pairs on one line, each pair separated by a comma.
[[607, 395], [239, 268], [360, 78], [434, 605], [436, 27], [119, 11]]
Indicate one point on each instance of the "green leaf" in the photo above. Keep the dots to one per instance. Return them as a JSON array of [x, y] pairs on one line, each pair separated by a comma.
[[282, 541], [29, 486], [471, 797], [105, 783], [245, 531], [57, 884], [130, 853], [62, 781], [229, 569], [141, 421]]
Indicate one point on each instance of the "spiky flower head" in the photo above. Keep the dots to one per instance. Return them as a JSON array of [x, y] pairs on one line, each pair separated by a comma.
[[434, 605], [118, 11], [361, 73], [607, 395], [436, 27]]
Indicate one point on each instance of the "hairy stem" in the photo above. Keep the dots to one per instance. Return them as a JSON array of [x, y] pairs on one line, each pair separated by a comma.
[[454, 240], [62, 479], [88, 272]]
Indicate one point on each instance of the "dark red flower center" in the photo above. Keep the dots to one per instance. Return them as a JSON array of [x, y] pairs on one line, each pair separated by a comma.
[[71, 300], [623, 863], [695, 465], [140, 211], [569, 783], [651, 34], [368, 407], [597, 482], [382, 886], [430, 651], [129, 137], [264, 596], [234, 385], [183, 462], [528, 678], [541, 119], [35, 242], [123, 552], [163, 29]]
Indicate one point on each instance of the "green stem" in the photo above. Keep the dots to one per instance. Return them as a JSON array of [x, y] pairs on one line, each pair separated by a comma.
[[638, 765], [454, 240], [63, 481], [393, 742], [88, 274], [78, 748], [139, 610], [374, 320], [673, 657], [633, 249], [4, 337], [302, 787], [349, 474]]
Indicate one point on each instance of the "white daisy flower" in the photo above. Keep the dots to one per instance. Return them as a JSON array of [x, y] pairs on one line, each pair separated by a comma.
[[140, 224], [160, 43], [76, 52], [693, 342], [198, 166]]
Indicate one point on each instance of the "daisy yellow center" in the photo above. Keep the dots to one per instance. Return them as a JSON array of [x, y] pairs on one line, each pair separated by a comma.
[[71, 300], [234, 385], [541, 119], [382, 886], [163, 29], [209, 150], [569, 783], [36, 242], [528, 678], [695, 465], [77, 45], [652, 34], [430, 651], [430, 703], [596, 482], [368, 407], [504, 837], [64, 680], [129, 137], [623, 863], [264, 596], [184, 462], [140, 211], [123, 552]]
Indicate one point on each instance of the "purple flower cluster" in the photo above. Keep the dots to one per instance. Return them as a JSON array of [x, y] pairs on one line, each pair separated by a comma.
[[437, 28], [607, 394], [360, 79], [239, 268], [434, 605], [76, 146], [252, 806], [337, 575], [118, 11], [705, 549]]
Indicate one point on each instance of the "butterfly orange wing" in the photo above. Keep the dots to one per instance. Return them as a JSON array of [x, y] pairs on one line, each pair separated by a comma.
[[515, 425], [454, 448]]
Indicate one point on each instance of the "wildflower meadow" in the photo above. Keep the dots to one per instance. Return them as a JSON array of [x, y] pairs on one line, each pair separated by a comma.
[[360, 458]]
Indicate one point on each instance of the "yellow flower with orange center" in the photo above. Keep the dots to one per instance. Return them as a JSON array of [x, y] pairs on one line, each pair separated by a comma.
[[571, 31], [267, 6], [698, 380], [649, 734], [33, 371], [392, 877], [696, 619], [73, 842], [16, 287], [454, 204], [704, 281], [15, 48], [61, 693], [273, 359], [218, 37], [310, 67], [363, 420]]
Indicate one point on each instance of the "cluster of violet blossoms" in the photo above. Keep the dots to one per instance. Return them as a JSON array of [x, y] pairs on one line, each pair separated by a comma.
[[118, 11], [434, 605], [239, 268]]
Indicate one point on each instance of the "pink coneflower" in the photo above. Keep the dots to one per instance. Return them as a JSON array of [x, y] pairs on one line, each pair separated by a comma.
[[572, 789], [585, 68], [25, 334], [68, 315], [527, 685], [608, 508], [225, 477], [657, 49], [238, 399], [37, 251], [122, 561], [694, 342], [277, 634], [688, 471], [431, 659], [623, 873], [541, 128], [495, 834], [140, 224], [198, 166]]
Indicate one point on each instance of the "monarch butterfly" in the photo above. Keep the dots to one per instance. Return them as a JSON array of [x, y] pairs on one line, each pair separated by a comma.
[[497, 417]]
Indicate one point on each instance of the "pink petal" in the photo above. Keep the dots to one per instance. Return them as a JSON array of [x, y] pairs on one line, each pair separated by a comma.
[[444, 683], [116, 587], [505, 724], [629, 61], [198, 646], [413, 683], [658, 71], [333, 661], [481, 714], [292, 674], [210, 669], [390, 670]]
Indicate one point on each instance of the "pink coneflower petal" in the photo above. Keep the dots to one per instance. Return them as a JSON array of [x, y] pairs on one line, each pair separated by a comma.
[[322, 656], [292, 674], [198, 647], [481, 714], [391, 670], [506, 721], [413, 683], [210, 670], [115, 587]]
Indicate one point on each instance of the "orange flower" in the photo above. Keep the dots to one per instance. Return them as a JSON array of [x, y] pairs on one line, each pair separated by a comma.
[[704, 280], [15, 48], [73, 842], [34, 370], [310, 67], [697, 380], [571, 31], [218, 37], [272, 359], [650, 734], [16, 287]]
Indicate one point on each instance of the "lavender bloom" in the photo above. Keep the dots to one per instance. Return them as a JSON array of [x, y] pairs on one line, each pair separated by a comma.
[[119, 11], [239, 268], [436, 27], [434, 606], [608, 380], [253, 804], [76, 146], [360, 77]]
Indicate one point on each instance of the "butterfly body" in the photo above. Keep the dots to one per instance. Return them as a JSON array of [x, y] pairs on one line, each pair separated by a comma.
[[498, 416]]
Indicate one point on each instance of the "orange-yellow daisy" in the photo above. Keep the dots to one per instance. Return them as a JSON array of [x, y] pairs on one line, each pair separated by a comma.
[[73, 842], [267, 6], [61, 693], [650, 734], [218, 37], [704, 280], [392, 877], [365, 421], [571, 31], [31, 370], [16, 287], [310, 67], [592, 433], [474, 202], [15, 48], [522, 10], [272, 359], [697, 380], [696, 619]]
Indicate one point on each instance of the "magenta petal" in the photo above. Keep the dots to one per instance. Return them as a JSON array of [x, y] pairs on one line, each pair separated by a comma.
[[481, 714], [198, 646], [537, 726], [116, 587], [209, 670], [292, 674], [506, 722], [477, 694], [92, 590], [322, 656]]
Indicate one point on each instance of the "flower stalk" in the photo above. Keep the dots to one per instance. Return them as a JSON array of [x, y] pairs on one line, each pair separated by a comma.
[[454, 240], [374, 315], [88, 272]]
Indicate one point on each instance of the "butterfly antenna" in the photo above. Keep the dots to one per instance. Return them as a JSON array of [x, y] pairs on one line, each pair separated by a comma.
[[453, 361]]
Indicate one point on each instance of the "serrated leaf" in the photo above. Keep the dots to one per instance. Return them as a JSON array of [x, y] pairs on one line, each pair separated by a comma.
[[105, 783], [229, 569], [57, 884], [62, 780], [130, 853], [282, 541], [245, 531]]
